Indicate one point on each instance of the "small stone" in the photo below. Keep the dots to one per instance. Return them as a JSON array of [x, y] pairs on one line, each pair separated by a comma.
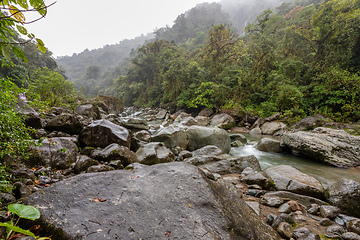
[[100, 168], [283, 217], [353, 226], [311, 236], [300, 218], [295, 206], [271, 201], [325, 222], [285, 230], [313, 209], [350, 236], [339, 221], [284, 208], [300, 233], [247, 171], [335, 229], [269, 219], [44, 180], [328, 211], [254, 186]]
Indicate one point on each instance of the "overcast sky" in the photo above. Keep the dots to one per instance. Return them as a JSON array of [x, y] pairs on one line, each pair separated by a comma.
[[74, 25]]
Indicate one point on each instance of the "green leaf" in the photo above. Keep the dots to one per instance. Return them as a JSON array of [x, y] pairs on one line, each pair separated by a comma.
[[19, 53], [40, 45], [40, 6], [21, 30], [24, 211], [17, 229], [23, 3], [6, 52]]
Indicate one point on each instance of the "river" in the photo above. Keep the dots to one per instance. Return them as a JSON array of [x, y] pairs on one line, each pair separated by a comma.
[[327, 175]]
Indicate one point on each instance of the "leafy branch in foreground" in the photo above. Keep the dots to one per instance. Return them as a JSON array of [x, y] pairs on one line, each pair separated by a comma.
[[22, 211], [12, 21]]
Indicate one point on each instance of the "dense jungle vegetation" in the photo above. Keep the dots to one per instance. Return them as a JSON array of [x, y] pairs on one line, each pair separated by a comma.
[[302, 59]]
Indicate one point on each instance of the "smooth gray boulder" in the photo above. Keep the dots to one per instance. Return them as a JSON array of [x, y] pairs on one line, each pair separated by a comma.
[[222, 120], [233, 165], [202, 136], [134, 123], [260, 179], [154, 153], [290, 179], [273, 128], [88, 110], [238, 137], [202, 120], [206, 112], [32, 118], [84, 162], [58, 153], [269, 145], [143, 135], [173, 200], [65, 122], [189, 121], [172, 136], [345, 194], [207, 150], [102, 133], [115, 152], [334, 147]]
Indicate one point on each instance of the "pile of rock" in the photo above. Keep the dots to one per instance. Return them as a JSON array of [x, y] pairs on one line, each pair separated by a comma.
[[195, 190]]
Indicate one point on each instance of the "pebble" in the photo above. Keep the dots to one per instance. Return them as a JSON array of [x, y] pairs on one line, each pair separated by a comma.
[[325, 222], [285, 230], [350, 236], [328, 211]]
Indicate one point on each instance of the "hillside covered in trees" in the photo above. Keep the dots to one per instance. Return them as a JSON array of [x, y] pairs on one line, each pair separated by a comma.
[[300, 59]]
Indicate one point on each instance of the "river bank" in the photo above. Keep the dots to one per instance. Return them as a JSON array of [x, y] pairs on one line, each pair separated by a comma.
[[151, 174]]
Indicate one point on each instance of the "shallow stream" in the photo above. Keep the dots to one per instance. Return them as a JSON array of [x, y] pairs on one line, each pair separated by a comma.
[[327, 175]]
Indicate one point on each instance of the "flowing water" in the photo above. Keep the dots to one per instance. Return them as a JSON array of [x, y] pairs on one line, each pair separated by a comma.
[[327, 175]]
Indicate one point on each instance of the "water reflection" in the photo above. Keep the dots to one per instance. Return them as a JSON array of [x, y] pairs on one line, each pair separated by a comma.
[[327, 175]]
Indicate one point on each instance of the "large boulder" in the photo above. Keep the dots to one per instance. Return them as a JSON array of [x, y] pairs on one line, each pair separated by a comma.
[[290, 179], [135, 123], [102, 133], [334, 147], [202, 120], [57, 153], [345, 194], [222, 120], [269, 145], [233, 165], [114, 104], [172, 136], [206, 112], [32, 118], [309, 123], [207, 150], [173, 200], [273, 128], [154, 153], [88, 110], [115, 152], [65, 122], [202, 136]]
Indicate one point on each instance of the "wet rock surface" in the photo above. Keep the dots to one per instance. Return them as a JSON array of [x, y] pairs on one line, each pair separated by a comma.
[[189, 206]]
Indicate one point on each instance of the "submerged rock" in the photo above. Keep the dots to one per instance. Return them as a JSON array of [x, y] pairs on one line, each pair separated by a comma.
[[171, 200]]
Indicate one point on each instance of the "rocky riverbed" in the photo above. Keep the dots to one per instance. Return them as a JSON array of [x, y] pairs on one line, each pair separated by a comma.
[[152, 174]]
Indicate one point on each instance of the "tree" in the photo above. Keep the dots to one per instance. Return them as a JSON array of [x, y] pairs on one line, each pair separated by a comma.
[[12, 20], [51, 87]]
